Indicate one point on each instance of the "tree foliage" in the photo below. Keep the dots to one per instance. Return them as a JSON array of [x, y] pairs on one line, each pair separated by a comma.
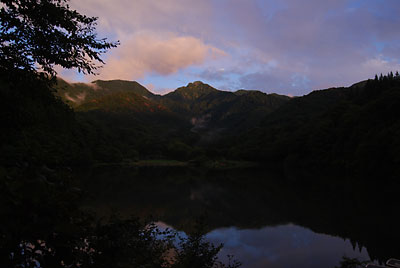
[[39, 34], [346, 130]]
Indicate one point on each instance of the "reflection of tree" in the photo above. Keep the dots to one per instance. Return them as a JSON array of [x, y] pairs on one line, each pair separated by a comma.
[[42, 227], [254, 200], [351, 263]]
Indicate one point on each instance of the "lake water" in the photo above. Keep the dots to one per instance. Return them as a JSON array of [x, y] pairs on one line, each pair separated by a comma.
[[282, 246], [263, 218]]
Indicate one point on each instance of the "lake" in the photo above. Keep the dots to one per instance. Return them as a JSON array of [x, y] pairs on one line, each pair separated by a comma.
[[261, 216]]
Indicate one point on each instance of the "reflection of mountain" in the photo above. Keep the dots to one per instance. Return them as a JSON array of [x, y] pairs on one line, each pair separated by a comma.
[[265, 199], [284, 246]]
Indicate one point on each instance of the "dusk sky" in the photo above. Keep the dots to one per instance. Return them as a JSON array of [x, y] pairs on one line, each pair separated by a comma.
[[284, 46]]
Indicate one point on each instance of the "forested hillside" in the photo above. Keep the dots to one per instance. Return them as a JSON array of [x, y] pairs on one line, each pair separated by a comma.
[[353, 130], [123, 120], [37, 127]]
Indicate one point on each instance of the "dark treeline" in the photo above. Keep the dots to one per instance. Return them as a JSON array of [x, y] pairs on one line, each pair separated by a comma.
[[346, 130], [37, 127]]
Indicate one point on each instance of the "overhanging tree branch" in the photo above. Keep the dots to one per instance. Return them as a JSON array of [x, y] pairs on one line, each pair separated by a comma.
[[39, 34]]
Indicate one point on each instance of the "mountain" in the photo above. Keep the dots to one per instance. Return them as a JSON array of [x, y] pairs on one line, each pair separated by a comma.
[[211, 109], [351, 130], [120, 102], [182, 123], [75, 94], [191, 92], [205, 107]]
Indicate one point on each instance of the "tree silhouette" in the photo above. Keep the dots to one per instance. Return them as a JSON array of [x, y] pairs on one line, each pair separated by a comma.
[[39, 34]]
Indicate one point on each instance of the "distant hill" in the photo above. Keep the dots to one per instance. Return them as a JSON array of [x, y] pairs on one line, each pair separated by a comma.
[[353, 130], [211, 109], [350, 130], [76, 94], [191, 116], [121, 101], [205, 107]]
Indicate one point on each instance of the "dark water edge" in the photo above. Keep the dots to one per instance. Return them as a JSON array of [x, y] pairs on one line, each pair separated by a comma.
[[281, 246], [284, 246], [236, 202]]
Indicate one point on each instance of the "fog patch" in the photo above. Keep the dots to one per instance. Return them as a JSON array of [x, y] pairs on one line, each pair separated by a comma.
[[200, 123], [94, 86], [79, 98]]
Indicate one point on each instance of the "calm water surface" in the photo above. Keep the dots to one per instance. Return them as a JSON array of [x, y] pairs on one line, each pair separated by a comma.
[[284, 246], [262, 218]]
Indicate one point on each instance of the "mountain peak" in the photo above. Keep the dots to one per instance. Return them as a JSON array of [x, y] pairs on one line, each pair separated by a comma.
[[199, 85], [193, 91], [196, 83], [123, 86]]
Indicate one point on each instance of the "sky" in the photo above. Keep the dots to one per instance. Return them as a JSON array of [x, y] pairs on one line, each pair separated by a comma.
[[288, 47]]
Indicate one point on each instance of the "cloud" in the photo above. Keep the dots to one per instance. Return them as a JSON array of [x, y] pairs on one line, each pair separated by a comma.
[[150, 87], [381, 64], [292, 80], [271, 44], [276, 82], [214, 74], [163, 54], [159, 37], [325, 41], [163, 91], [127, 16]]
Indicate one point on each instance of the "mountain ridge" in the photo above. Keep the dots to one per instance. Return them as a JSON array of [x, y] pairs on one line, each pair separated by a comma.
[[75, 94], [192, 91], [190, 116], [115, 84], [196, 102]]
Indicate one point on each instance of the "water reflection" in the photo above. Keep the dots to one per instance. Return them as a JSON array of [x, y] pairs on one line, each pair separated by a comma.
[[240, 204], [284, 246]]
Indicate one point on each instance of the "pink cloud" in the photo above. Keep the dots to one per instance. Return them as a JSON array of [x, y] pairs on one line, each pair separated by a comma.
[[127, 16], [149, 52], [271, 44]]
